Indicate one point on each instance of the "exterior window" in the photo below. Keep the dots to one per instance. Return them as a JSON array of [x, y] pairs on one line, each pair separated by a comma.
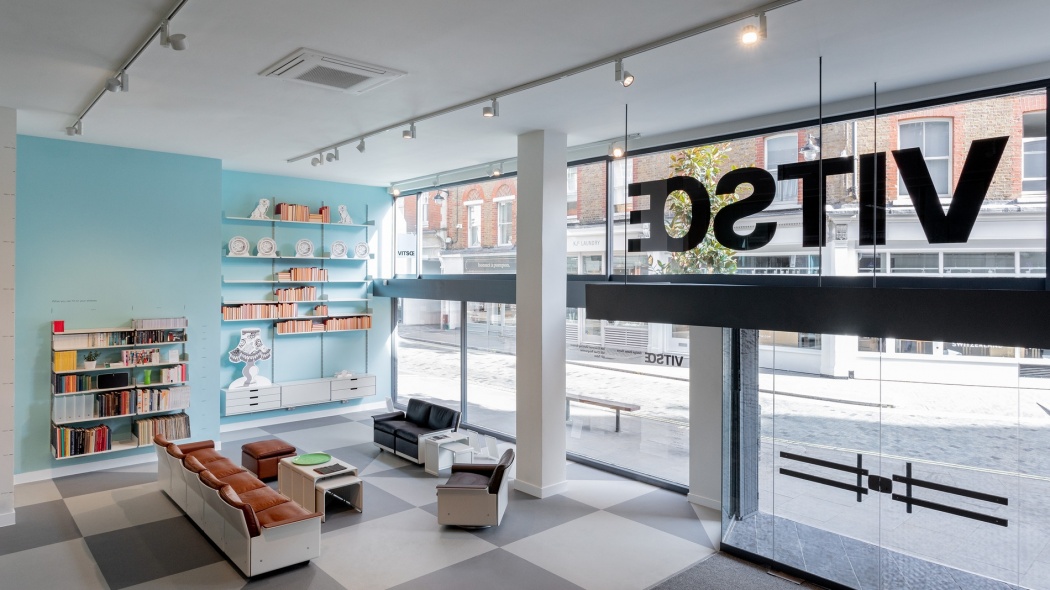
[[783, 149], [570, 193], [797, 264], [914, 263], [622, 175], [424, 212], [474, 226], [506, 222], [1033, 262], [979, 262], [933, 137], [572, 264], [1034, 162]]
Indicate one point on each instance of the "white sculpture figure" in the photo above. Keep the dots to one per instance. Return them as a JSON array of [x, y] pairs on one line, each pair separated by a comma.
[[249, 350], [344, 217], [261, 210]]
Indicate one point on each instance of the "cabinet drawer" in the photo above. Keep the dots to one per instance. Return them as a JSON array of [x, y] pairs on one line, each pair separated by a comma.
[[353, 392], [305, 393], [356, 381], [254, 399], [272, 404], [247, 392]]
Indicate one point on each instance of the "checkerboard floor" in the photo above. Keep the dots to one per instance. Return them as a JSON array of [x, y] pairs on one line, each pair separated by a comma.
[[114, 529]]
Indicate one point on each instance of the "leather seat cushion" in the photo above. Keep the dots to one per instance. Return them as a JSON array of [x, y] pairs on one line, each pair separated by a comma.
[[242, 482], [467, 479], [262, 498], [268, 448], [411, 432], [206, 456], [223, 468], [281, 513], [418, 411], [389, 426], [441, 418]]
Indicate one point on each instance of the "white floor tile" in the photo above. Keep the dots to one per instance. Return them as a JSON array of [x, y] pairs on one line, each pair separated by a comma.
[[121, 508], [62, 565], [607, 552], [388, 551], [383, 462], [36, 492], [604, 493], [418, 491]]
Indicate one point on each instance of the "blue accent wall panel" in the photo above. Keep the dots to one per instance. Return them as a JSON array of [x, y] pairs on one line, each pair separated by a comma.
[[104, 235], [305, 356]]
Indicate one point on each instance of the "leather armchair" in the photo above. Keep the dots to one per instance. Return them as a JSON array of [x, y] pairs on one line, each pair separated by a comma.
[[399, 432], [475, 495]]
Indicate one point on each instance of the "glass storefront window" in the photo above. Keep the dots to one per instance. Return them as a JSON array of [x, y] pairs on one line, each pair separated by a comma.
[[491, 377], [427, 349]]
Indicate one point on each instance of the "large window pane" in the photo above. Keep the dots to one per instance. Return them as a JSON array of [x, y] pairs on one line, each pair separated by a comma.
[[405, 230], [586, 186], [491, 365], [427, 349], [640, 369], [471, 228]]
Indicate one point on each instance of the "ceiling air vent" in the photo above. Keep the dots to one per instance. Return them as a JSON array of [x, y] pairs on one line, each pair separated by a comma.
[[330, 71]]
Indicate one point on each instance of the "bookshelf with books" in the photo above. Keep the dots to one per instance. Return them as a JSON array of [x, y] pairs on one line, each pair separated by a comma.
[[104, 380], [298, 272]]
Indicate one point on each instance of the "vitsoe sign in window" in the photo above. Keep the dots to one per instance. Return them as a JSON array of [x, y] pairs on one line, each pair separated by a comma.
[[940, 227]]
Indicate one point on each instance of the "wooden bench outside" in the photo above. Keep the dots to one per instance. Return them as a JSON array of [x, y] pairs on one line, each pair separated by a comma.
[[605, 403]]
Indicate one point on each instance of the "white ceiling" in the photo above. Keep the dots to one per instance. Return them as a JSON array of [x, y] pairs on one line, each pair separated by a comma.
[[209, 100]]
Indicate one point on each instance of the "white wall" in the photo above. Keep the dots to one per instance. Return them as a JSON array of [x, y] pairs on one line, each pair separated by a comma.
[[7, 315]]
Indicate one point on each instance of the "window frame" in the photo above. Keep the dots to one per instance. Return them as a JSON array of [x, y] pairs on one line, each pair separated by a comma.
[[779, 200], [505, 229], [1025, 140], [473, 222], [902, 191]]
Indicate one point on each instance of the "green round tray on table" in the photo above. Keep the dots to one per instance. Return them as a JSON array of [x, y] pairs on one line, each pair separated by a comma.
[[312, 459]]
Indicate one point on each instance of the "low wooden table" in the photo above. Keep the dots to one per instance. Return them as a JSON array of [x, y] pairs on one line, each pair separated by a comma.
[[307, 488]]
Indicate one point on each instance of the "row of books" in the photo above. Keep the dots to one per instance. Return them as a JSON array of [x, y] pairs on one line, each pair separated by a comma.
[[306, 273], [176, 374], [308, 293], [160, 324], [257, 311], [172, 427], [65, 360], [74, 383], [145, 356], [159, 400], [293, 212], [69, 441], [92, 340], [159, 336], [300, 327], [362, 322]]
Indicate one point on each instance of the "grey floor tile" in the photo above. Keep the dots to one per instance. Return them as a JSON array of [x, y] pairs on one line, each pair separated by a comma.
[[497, 568], [579, 471], [360, 456], [527, 515], [305, 576], [668, 512], [37, 525], [304, 424], [101, 481], [378, 504], [365, 416], [155, 550], [825, 556]]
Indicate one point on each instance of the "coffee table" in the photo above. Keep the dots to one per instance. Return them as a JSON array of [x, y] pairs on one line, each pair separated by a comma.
[[307, 488], [442, 449]]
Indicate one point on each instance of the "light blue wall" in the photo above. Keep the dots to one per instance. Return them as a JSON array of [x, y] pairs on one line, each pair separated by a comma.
[[104, 235], [312, 355]]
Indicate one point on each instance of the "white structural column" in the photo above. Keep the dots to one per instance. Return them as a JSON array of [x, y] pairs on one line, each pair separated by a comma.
[[8, 137], [541, 291], [706, 356]]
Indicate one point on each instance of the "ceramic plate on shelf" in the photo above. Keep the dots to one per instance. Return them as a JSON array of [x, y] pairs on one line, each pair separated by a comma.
[[338, 249], [304, 249], [361, 250], [312, 459], [266, 248], [238, 246]]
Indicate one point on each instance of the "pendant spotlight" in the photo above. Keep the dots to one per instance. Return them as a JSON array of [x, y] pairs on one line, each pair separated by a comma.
[[333, 156], [118, 83], [176, 42], [409, 133], [752, 34], [76, 129], [361, 146], [491, 111], [623, 76]]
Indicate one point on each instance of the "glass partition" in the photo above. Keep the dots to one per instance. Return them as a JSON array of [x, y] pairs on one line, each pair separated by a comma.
[[427, 349], [491, 368]]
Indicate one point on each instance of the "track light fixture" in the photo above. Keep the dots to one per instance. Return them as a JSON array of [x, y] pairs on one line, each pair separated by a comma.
[[76, 129], [491, 111], [752, 34], [318, 160], [616, 150], [409, 133], [361, 146], [176, 42], [497, 170], [810, 151], [393, 191], [623, 76], [118, 82], [333, 156]]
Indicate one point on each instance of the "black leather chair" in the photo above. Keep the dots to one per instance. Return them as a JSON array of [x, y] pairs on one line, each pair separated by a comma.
[[399, 432]]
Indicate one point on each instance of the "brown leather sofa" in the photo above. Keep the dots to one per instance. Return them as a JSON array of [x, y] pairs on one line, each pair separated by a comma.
[[475, 495], [259, 529]]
